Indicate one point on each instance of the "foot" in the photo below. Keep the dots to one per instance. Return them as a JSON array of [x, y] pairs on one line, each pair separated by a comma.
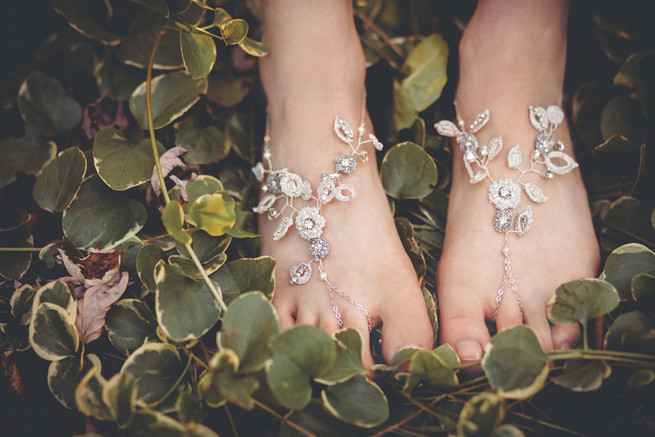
[[512, 55], [306, 88]]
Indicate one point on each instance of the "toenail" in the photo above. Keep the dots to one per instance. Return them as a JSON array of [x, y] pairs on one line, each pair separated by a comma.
[[468, 350], [563, 345]]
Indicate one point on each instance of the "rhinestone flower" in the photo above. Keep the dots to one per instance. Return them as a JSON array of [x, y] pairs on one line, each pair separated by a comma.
[[503, 220], [273, 182], [505, 193], [467, 143], [301, 273], [345, 163], [318, 248], [310, 223], [545, 144]]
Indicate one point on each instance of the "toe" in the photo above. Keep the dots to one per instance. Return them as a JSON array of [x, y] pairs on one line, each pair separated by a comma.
[[285, 315], [565, 336], [466, 332], [536, 319], [405, 325]]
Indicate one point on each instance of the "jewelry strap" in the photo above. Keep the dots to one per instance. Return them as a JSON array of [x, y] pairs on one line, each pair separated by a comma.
[[547, 159], [287, 186]]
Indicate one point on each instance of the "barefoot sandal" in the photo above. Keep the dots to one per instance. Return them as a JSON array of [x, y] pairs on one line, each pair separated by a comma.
[[287, 186], [547, 159]]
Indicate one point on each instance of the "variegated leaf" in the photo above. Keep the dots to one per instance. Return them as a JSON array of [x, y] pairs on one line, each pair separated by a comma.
[[534, 192], [343, 130], [555, 115], [569, 163], [514, 157], [480, 121], [447, 128], [538, 118], [495, 146]]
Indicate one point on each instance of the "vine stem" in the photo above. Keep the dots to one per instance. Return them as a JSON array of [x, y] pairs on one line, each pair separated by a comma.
[[295, 426], [217, 294], [20, 249]]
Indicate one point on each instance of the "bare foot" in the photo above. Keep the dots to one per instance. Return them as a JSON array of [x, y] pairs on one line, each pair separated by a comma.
[[315, 72], [512, 55]]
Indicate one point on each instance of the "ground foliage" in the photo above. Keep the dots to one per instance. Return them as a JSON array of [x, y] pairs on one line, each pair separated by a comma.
[[145, 312]]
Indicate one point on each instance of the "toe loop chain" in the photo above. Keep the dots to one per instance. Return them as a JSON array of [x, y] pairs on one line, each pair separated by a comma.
[[547, 159], [284, 187]]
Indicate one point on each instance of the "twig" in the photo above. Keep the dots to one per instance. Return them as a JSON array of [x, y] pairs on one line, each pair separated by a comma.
[[295, 426]]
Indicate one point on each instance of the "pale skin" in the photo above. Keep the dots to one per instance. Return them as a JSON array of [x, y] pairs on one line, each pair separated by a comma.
[[316, 71]]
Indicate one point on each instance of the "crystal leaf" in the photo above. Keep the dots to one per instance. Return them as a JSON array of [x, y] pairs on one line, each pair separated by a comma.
[[534, 192], [480, 121], [265, 203], [282, 228], [376, 143], [305, 190], [447, 129], [339, 192], [495, 146], [468, 168], [343, 130], [258, 171], [326, 189], [291, 185], [538, 118], [523, 221], [301, 273], [569, 163], [514, 158], [555, 115], [479, 177]]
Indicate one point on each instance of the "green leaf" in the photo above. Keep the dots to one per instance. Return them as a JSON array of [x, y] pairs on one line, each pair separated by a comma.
[[643, 291], [427, 369], [627, 216], [248, 324], [188, 408], [240, 135], [254, 48], [406, 234], [188, 267], [637, 71], [64, 376], [203, 144], [206, 247], [137, 46], [88, 395], [228, 91], [158, 6], [424, 73], [349, 358], [408, 172], [45, 106], [88, 17], [508, 431], [222, 384], [59, 293], [21, 304], [119, 394], [149, 255], [221, 16], [99, 216], [130, 324], [583, 376], [172, 95], [624, 263], [233, 31], [431, 307], [481, 415], [641, 378], [581, 300], [60, 180], [198, 53], [315, 419], [300, 354], [46, 254], [448, 355], [515, 363], [213, 213], [246, 274], [28, 154], [173, 219], [13, 265], [156, 368], [357, 401], [52, 333], [632, 332], [186, 309], [120, 164], [203, 184]]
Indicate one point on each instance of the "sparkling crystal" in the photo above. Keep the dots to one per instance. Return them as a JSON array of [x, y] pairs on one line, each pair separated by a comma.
[[549, 174], [503, 220], [364, 156], [480, 121], [310, 223], [273, 182], [538, 118], [535, 155], [504, 193], [484, 150], [361, 130], [273, 214], [318, 248], [545, 144], [523, 221], [467, 142], [470, 156], [326, 189], [559, 146], [343, 130], [345, 163], [267, 155], [301, 273]]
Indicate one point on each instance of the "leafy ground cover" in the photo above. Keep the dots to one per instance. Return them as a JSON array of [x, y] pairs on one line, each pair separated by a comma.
[[134, 302]]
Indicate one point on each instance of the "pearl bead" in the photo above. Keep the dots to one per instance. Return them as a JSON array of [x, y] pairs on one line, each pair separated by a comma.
[[506, 250], [323, 276]]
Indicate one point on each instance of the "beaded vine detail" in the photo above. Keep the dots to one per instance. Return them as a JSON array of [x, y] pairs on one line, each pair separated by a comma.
[[284, 188], [547, 159]]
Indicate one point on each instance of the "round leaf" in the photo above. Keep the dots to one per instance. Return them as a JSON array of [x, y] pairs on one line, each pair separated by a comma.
[[246, 274], [198, 53], [137, 46], [203, 144], [357, 401], [120, 164], [300, 354], [581, 300], [156, 368], [52, 333], [13, 265], [21, 304], [119, 394], [234, 31], [186, 308], [349, 357], [222, 384], [60, 180], [59, 293], [28, 154], [88, 395], [64, 376], [624, 263], [515, 363], [632, 332], [87, 18], [173, 219], [149, 255], [45, 106], [213, 213], [100, 216], [172, 95], [481, 415], [408, 172], [247, 326], [582, 376], [130, 324], [254, 48], [429, 370]]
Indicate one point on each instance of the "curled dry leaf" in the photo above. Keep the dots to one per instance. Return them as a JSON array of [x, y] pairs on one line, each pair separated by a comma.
[[169, 160]]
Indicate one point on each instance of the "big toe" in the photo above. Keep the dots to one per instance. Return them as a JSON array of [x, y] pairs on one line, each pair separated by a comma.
[[467, 334], [405, 326]]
